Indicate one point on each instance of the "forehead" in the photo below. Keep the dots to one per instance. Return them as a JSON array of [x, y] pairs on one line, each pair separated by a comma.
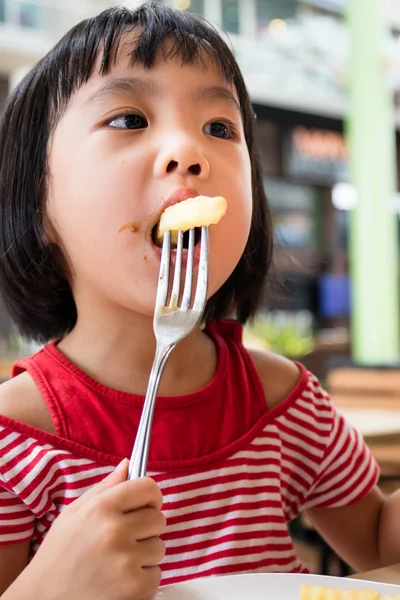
[[201, 79], [169, 57]]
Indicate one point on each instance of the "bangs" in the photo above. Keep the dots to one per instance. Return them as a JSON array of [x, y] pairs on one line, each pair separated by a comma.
[[151, 29]]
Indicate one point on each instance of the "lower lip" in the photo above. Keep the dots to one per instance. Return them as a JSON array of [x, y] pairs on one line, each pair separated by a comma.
[[196, 255]]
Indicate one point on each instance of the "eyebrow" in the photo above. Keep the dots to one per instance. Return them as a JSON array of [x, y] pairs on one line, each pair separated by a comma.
[[217, 92], [138, 86]]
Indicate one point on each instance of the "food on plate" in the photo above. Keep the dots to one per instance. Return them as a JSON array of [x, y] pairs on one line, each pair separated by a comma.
[[319, 592], [191, 213]]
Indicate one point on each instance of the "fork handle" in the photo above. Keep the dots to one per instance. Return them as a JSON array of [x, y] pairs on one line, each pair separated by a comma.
[[140, 452]]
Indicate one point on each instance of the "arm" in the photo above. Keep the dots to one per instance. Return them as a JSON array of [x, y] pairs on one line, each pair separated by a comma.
[[353, 531], [13, 560], [366, 534]]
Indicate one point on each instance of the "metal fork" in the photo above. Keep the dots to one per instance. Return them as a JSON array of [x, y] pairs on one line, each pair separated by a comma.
[[171, 324]]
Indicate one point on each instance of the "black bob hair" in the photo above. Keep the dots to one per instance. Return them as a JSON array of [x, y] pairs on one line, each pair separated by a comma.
[[33, 275]]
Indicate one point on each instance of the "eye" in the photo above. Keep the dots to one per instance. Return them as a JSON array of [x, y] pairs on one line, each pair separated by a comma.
[[130, 121], [220, 130]]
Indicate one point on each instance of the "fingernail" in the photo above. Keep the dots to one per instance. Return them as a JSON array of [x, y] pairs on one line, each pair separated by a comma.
[[121, 466]]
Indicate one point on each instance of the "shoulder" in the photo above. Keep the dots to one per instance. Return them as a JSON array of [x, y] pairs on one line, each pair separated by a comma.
[[279, 375], [21, 400]]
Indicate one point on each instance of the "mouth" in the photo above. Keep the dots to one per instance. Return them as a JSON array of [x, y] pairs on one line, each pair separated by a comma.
[[197, 238], [180, 195]]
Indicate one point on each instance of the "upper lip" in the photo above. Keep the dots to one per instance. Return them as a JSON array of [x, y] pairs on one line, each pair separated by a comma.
[[179, 195]]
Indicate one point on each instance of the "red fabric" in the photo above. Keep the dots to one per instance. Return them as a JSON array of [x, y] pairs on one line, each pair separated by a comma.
[[233, 474], [184, 427]]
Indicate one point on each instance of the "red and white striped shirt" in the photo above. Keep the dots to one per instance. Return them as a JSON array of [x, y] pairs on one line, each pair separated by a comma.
[[232, 472]]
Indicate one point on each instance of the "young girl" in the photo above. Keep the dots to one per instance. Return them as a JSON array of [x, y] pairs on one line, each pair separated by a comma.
[[130, 112]]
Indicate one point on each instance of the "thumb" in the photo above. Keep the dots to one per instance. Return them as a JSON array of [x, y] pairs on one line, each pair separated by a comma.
[[119, 475]]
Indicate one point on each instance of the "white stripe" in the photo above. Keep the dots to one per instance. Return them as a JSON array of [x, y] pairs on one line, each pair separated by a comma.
[[347, 448], [224, 502], [195, 523], [44, 528], [15, 537], [270, 479], [291, 438], [308, 420], [263, 441], [213, 474], [230, 546], [321, 407], [9, 439], [314, 385], [71, 478], [33, 453], [285, 568], [264, 456], [43, 465], [7, 496], [350, 496], [231, 560], [232, 530], [292, 462], [21, 521], [6, 510], [289, 500], [347, 464]]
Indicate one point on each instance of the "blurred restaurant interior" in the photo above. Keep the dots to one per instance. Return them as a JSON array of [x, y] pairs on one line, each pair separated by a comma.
[[296, 59]]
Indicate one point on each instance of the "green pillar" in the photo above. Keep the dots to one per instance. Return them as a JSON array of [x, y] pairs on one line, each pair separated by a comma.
[[373, 228]]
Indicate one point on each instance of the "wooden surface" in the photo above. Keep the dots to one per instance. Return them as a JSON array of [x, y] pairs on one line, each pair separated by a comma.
[[384, 575], [368, 390], [365, 381]]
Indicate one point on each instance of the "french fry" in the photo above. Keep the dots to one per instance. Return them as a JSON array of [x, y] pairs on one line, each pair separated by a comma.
[[318, 592], [194, 212]]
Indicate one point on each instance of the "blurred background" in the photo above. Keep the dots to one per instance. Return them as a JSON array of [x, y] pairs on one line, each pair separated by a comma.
[[295, 56], [324, 78]]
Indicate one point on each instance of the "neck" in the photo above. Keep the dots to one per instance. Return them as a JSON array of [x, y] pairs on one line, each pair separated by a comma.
[[118, 350]]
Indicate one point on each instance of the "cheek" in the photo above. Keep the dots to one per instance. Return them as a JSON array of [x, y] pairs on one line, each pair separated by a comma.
[[88, 203]]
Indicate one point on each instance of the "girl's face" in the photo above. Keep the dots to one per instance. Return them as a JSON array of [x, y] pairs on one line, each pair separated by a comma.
[[128, 144]]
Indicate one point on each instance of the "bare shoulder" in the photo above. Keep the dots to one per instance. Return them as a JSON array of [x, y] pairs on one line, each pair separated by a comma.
[[278, 374], [21, 400]]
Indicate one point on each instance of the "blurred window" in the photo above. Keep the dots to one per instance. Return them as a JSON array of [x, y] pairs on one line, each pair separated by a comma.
[[196, 6], [230, 15], [269, 10], [2, 11], [30, 15], [295, 212]]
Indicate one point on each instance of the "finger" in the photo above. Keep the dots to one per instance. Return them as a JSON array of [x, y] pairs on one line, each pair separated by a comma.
[[149, 582], [150, 552], [132, 495], [117, 476], [145, 523]]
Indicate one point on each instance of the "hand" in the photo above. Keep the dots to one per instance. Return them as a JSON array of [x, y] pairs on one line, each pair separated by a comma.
[[103, 546]]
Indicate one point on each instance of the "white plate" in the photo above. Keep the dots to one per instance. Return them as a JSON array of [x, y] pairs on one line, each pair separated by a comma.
[[263, 586]]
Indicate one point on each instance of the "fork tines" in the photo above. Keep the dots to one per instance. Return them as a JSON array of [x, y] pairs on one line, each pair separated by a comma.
[[201, 288]]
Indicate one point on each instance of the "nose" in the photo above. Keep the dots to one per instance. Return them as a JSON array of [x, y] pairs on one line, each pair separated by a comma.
[[183, 159]]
